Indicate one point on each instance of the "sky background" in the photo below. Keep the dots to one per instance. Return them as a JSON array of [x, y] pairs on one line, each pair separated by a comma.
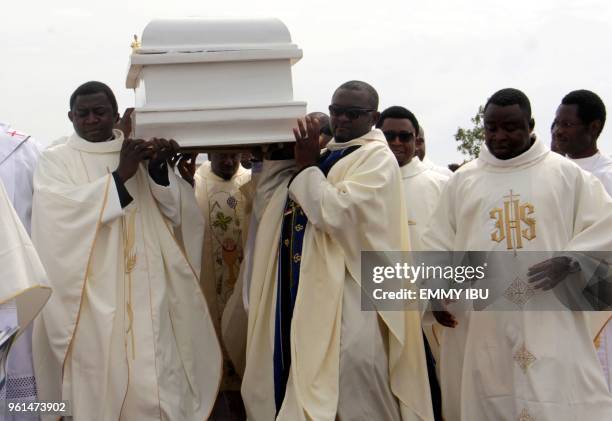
[[440, 59]]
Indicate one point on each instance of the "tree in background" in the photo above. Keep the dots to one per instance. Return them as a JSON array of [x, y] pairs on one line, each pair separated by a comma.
[[470, 140]]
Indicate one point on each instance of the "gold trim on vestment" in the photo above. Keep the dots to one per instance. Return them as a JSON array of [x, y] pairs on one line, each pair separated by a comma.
[[597, 338], [87, 269]]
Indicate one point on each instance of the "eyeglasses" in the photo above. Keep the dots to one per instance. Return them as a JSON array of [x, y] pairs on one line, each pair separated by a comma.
[[403, 137], [352, 113], [564, 125]]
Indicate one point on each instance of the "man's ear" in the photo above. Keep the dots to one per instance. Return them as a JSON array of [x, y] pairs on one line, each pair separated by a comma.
[[375, 118], [595, 128], [70, 115], [531, 125]]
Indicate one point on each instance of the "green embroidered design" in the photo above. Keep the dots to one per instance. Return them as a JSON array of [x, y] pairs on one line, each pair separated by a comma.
[[222, 221]]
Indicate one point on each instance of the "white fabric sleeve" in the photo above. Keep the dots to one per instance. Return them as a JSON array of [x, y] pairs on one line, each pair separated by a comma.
[[168, 197], [307, 189], [113, 209]]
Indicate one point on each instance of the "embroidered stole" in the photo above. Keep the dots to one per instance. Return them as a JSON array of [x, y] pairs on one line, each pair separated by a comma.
[[289, 259]]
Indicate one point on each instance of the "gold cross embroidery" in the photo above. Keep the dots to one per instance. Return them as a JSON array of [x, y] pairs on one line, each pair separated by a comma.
[[524, 358]]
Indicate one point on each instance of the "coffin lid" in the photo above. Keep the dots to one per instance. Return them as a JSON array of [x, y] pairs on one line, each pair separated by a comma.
[[197, 40]]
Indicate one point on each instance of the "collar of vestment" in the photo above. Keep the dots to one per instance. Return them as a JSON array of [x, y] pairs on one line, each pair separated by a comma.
[[593, 162], [414, 167], [531, 156], [375, 135], [77, 142], [427, 162]]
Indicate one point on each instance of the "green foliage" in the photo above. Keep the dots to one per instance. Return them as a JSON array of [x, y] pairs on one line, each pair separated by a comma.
[[470, 140]]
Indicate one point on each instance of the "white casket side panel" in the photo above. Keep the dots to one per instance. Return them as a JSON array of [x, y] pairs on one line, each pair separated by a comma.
[[215, 82]]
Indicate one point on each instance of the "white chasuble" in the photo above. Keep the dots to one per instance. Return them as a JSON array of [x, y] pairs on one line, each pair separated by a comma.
[[523, 365], [422, 189], [440, 169], [222, 205], [600, 166], [23, 292], [127, 334], [18, 157], [333, 373]]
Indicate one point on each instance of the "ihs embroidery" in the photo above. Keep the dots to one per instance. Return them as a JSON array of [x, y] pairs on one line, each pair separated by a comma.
[[513, 222]]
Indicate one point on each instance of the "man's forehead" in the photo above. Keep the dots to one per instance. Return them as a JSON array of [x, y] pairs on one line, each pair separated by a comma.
[[567, 111], [98, 99], [351, 98], [504, 112], [398, 123]]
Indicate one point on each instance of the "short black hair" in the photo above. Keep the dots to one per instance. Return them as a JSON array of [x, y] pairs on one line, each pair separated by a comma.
[[322, 117], [590, 106], [511, 96], [398, 112], [323, 122], [94, 87], [357, 85]]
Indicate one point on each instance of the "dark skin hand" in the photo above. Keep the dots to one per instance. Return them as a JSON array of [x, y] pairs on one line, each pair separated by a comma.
[[307, 148], [443, 316], [133, 152], [162, 151], [547, 274], [186, 164], [125, 122]]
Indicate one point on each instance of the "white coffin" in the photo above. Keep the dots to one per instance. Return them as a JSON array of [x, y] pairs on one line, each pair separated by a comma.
[[215, 82]]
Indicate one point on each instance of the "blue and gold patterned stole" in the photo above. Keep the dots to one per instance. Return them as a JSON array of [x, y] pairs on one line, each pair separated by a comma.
[[289, 259]]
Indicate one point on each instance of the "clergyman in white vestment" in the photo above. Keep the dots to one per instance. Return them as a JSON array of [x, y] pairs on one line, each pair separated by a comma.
[[521, 365], [127, 334], [18, 157], [310, 346], [422, 188], [579, 120], [218, 192]]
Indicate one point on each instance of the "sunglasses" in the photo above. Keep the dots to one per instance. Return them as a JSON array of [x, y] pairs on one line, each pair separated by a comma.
[[403, 137], [352, 113]]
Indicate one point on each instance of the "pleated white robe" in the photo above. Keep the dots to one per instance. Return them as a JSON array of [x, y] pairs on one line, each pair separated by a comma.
[[127, 334], [600, 166], [334, 372], [530, 365], [422, 189]]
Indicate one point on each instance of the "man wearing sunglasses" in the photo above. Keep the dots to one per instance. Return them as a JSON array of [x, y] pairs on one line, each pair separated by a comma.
[[330, 359], [422, 188], [421, 184]]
